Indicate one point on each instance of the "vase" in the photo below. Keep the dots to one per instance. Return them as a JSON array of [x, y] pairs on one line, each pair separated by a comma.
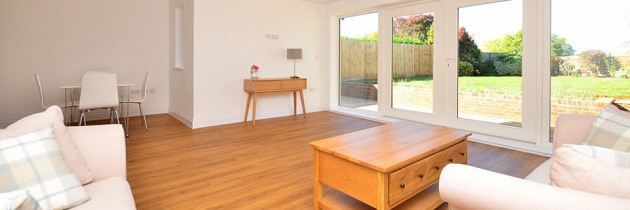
[[254, 74]]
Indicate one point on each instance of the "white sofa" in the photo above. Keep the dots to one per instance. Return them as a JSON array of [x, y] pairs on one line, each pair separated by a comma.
[[467, 187], [103, 149]]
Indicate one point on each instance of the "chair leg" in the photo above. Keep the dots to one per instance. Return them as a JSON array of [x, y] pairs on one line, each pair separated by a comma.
[[82, 117], [111, 114], [117, 118], [144, 118]]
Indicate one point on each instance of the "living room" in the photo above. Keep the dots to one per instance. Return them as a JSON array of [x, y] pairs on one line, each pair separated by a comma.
[[199, 53]]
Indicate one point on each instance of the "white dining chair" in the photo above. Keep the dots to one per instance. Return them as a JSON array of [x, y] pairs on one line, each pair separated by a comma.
[[71, 106], [143, 96], [99, 91]]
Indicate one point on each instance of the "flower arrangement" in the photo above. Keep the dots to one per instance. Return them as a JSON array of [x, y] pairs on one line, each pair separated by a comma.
[[254, 71]]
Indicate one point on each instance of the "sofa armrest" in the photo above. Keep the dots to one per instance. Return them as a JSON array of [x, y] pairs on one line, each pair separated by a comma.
[[572, 129], [467, 187], [103, 147]]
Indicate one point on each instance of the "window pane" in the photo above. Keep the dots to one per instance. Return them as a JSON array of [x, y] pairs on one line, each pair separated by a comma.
[[590, 55], [358, 61], [490, 62], [412, 62]]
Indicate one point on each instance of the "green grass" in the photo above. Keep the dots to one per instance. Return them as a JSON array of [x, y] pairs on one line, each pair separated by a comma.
[[562, 87]]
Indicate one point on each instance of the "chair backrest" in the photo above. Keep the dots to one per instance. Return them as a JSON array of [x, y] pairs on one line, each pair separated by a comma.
[[145, 85], [99, 90], [41, 92]]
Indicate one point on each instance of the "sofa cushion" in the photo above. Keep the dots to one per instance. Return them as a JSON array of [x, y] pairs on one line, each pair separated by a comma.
[[112, 193], [611, 129], [54, 116], [541, 173], [34, 162], [592, 169], [18, 200]]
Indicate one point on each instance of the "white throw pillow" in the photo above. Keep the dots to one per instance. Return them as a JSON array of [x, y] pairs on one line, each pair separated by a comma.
[[53, 115], [18, 200], [34, 162], [591, 169]]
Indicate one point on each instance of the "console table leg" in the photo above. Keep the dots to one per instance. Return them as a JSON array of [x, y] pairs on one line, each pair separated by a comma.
[[254, 110], [294, 103], [303, 106], [249, 97]]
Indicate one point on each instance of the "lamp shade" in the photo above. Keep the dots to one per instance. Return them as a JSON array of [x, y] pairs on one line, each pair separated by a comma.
[[294, 53]]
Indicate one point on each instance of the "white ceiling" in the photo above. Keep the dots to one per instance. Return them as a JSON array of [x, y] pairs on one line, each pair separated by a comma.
[[322, 1]]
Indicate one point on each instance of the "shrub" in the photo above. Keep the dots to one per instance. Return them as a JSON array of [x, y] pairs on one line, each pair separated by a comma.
[[509, 68], [612, 64], [622, 73], [508, 65], [566, 68], [487, 68], [464, 68], [593, 62], [556, 62]]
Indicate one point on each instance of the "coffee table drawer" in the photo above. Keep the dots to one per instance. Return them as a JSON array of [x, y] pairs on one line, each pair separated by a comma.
[[408, 181]]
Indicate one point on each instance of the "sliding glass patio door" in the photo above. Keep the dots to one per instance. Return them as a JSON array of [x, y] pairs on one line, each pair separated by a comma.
[[412, 49]]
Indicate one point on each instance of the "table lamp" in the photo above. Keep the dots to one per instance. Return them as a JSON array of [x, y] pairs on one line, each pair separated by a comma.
[[294, 54]]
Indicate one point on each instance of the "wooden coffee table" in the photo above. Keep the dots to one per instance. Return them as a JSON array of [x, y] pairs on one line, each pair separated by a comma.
[[385, 167]]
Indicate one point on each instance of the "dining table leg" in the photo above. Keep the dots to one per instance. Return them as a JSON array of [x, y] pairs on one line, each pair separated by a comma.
[[127, 112]]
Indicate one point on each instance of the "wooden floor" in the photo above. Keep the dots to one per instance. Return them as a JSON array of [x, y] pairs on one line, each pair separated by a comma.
[[239, 166]]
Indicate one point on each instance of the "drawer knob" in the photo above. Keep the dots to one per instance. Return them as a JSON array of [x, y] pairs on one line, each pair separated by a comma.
[[450, 160], [421, 176], [437, 168], [462, 154], [402, 186]]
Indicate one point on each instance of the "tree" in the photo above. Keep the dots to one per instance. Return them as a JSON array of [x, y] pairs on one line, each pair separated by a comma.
[[560, 47], [430, 35], [468, 50], [414, 27], [509, 43], [593, 62], [612, 64]]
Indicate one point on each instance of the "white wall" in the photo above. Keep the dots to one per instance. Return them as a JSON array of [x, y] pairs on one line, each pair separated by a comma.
[[230, 36], [181, 80], [62, 39]]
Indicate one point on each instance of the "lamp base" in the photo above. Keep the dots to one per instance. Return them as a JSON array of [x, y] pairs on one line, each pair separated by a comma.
[[294, 77]]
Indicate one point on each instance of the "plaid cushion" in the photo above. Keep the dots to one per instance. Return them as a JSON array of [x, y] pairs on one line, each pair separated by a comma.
[[611, 130], [18, 200], [33, 162], [603, 155]]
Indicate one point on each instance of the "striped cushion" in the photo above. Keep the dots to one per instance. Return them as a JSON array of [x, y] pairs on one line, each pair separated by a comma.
[[603, 155], [33, 162], [611, 130], [19, 200], [591, 169]]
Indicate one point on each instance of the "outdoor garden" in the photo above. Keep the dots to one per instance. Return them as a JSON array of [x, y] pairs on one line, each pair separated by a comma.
[[490, 82]]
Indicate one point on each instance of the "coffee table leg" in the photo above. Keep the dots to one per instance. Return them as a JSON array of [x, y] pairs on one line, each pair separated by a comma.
[[317, 186]]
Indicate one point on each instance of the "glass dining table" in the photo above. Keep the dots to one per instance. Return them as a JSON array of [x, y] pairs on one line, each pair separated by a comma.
[[71, 95]]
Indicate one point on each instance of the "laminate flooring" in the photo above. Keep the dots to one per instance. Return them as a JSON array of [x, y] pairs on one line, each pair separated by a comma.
[[240, 166]]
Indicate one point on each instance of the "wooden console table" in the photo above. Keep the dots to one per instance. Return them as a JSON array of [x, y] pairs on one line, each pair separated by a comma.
[[390, 166], [255, 86]]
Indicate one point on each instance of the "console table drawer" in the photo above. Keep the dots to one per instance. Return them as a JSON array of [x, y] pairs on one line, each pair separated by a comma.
[[294, 84], [267, 85], [411, 179]]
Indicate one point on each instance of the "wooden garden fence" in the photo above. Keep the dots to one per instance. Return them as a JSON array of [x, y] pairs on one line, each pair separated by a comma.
[[359, 59]]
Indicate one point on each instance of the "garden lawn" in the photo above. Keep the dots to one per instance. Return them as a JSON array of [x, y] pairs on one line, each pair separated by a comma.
[[561, 87]]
